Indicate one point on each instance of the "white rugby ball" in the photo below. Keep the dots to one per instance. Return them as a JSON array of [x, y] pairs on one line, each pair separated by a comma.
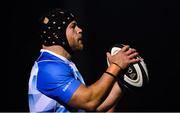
[[135, 76]]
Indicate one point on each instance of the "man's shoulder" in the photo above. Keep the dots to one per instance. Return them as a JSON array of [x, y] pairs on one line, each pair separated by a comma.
[[52, 65]]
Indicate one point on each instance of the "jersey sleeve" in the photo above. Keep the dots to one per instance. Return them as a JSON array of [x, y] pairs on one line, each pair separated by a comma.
[[56, 80]]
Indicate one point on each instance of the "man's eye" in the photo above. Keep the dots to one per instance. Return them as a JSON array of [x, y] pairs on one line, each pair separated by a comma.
[[73, 25]]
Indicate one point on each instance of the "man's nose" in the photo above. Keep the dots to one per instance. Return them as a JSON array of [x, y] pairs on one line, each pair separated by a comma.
[[79, 30]]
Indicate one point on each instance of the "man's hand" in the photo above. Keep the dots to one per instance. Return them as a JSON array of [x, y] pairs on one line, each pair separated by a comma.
[[124, 57]]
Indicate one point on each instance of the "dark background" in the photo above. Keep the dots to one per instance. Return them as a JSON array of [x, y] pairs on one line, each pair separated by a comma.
[[152, 27]]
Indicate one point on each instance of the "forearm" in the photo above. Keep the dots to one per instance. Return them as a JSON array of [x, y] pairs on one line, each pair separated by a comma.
[[91, 97], [106, 91], [109, 104], [100, 90]]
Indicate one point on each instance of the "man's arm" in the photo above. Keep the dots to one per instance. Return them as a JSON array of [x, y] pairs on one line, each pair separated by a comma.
[[111, 101], [90, 98]]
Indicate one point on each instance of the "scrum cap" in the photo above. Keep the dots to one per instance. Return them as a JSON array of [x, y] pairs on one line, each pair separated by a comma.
[[53, 28]]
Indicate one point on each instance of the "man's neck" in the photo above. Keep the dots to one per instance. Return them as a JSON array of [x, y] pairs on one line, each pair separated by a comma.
[[58, 50]]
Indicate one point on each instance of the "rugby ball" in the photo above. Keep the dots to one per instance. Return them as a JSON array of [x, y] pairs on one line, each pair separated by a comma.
[[135, 76]]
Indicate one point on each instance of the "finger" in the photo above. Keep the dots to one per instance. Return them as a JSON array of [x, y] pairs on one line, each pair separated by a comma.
[[133, 55], [108, 57], [130, 51], [125, 48], [108, 54], [134, 60]]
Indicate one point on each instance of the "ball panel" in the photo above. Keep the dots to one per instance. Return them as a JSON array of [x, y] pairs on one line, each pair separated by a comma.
[[138, 82]]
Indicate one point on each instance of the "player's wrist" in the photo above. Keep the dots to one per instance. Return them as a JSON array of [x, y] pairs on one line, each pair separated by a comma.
[[112, 75], [120, 67], [114, 69]]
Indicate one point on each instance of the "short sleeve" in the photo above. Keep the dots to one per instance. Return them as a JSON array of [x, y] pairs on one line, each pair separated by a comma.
[[56, 80]]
